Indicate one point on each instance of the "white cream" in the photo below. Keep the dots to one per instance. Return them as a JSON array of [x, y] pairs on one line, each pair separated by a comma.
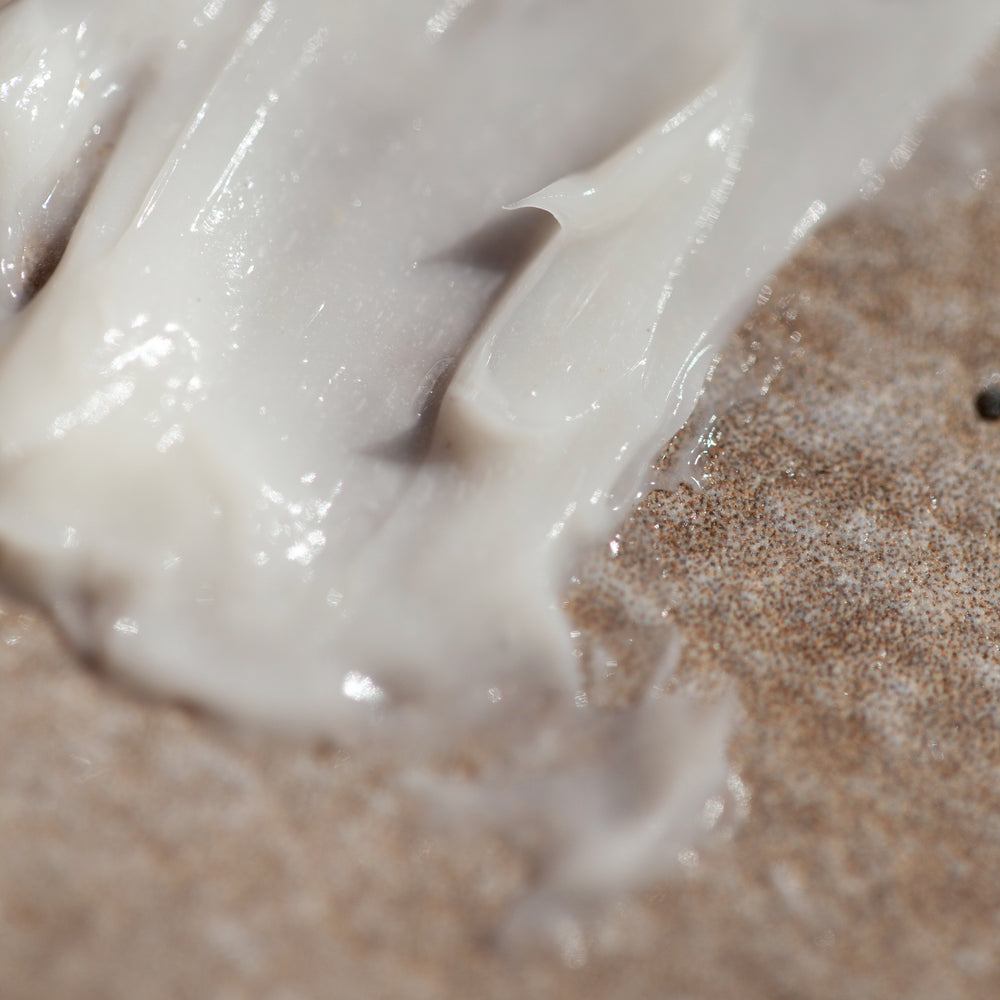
[[231, 458]]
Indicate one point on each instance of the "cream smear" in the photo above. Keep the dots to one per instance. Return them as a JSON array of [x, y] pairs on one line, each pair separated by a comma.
[[303, 425]]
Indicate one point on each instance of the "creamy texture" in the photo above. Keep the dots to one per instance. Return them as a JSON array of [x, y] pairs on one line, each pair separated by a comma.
[[303, 424]]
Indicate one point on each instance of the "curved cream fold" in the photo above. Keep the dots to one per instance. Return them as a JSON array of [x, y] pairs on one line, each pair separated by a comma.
[[297, 229]]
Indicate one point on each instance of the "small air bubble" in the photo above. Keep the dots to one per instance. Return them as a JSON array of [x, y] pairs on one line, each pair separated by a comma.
[[988, 402]]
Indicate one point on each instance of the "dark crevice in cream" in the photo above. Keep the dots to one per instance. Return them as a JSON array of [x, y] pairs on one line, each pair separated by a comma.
[[48, 228], [505, 246]]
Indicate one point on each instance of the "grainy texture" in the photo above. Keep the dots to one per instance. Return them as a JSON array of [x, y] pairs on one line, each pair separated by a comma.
[[839, 567], [836, 571]]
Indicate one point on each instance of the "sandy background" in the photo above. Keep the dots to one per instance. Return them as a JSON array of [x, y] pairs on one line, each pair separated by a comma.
[[836, 571]]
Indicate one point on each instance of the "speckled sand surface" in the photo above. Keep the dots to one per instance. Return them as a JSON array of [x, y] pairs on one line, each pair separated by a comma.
[[836, 572]]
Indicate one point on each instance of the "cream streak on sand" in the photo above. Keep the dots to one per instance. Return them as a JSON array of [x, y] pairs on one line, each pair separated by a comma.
[[304, 422]]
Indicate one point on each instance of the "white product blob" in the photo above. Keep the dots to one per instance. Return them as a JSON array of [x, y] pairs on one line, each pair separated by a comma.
[[308, 423]]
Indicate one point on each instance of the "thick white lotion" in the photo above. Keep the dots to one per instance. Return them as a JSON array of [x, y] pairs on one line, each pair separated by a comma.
[[304, 421]]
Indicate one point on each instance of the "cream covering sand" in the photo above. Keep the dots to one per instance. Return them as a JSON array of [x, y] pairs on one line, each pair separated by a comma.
[[840, 567], [290, 431]]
